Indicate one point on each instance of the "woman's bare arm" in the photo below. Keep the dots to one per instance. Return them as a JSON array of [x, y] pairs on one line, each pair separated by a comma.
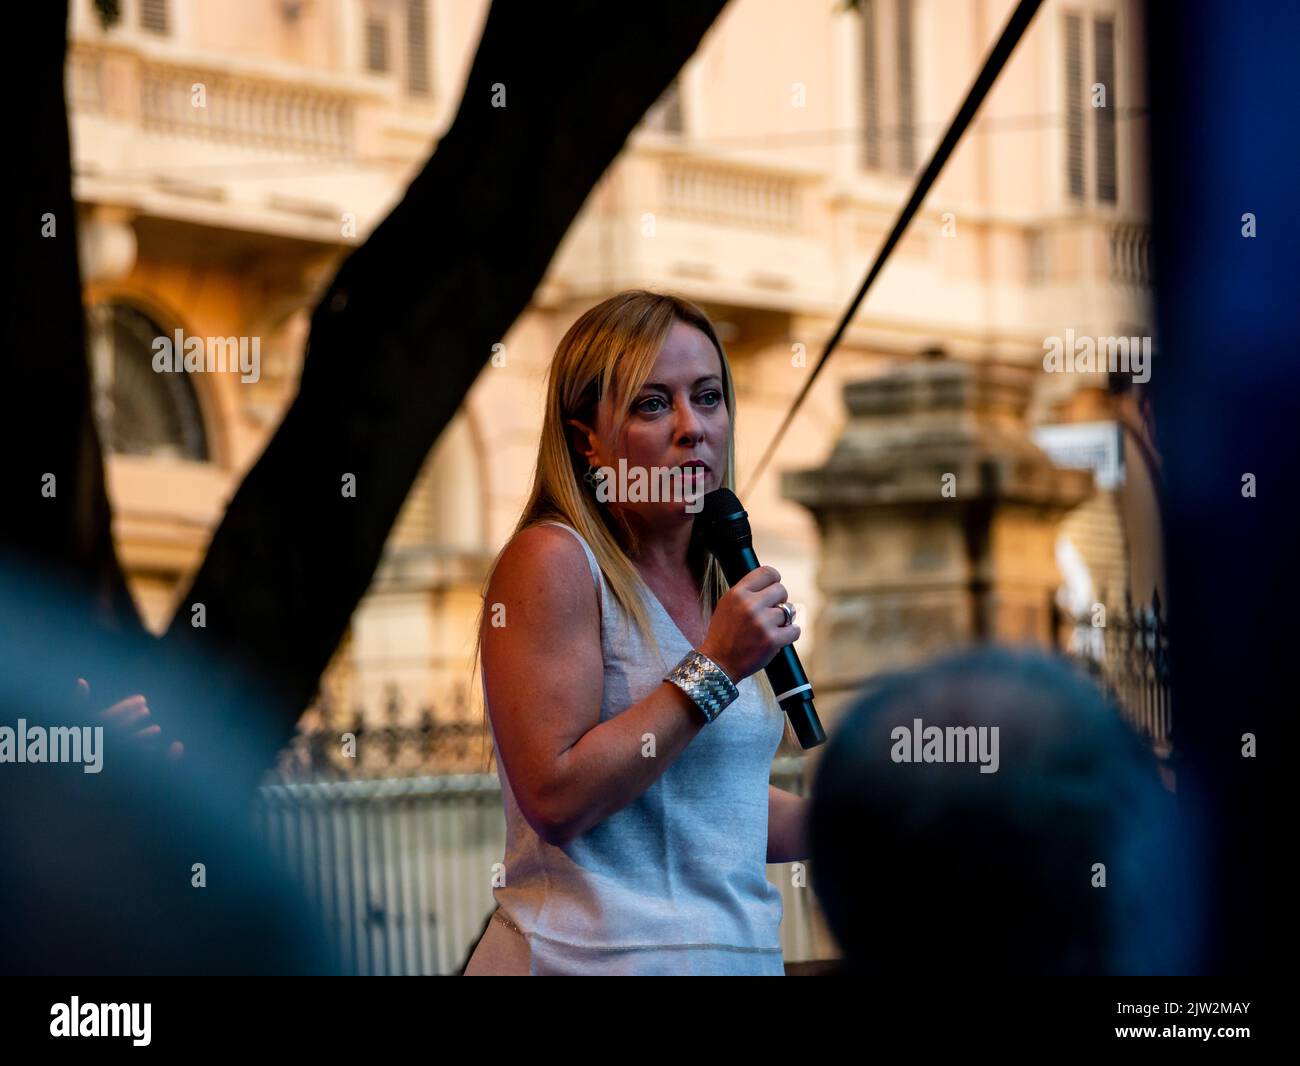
[[544, 677]]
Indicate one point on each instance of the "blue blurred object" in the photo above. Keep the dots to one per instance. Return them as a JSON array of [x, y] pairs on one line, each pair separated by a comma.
[[1224, 89], [98, 869]]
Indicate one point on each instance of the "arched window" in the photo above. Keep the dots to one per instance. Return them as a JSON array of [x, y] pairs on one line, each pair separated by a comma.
[[139, 411]]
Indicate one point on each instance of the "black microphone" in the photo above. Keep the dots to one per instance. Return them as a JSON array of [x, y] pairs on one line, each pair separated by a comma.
[[722, 527]]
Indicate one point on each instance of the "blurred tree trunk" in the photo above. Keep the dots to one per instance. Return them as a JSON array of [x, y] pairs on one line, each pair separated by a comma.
[[67, 534]]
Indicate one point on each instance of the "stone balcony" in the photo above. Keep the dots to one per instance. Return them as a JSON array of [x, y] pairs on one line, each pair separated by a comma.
[[733, 231], [672, 216], [252, 111], [237, 144]]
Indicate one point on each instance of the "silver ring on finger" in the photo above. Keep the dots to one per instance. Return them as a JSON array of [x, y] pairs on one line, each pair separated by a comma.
[[788, 611]]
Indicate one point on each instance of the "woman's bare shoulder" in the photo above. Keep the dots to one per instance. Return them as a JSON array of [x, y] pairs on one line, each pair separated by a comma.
[[545, 557]]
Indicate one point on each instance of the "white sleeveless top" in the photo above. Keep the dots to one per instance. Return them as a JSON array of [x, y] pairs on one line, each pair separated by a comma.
[[674, 883]]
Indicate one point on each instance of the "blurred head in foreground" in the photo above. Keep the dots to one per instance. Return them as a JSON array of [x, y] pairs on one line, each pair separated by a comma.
[[992, 813]]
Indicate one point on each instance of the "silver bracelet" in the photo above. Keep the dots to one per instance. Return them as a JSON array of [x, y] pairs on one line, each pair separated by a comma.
[[705, 682]]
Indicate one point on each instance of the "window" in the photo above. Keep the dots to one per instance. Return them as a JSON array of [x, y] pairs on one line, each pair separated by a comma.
[[1103, 58], [417, 47], [888, 85], [406, 56], [903, 64], [139, 411], [1074, 104], [377, 45], [153, 16], [870, 87], [1080, 98]]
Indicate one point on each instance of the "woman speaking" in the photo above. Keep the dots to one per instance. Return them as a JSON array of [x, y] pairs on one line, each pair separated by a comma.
[[634, 735]]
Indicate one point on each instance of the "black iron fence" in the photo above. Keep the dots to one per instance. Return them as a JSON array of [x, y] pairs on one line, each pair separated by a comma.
[[337, 742], [1126, 652]]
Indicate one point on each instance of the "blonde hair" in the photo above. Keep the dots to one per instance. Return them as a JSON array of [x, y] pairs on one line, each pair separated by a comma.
[[609, 352]]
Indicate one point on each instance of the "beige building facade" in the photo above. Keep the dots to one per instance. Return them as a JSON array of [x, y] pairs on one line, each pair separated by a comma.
[[228, 155]]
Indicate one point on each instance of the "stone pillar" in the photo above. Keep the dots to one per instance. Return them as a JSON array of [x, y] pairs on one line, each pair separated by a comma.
[[938, 518]]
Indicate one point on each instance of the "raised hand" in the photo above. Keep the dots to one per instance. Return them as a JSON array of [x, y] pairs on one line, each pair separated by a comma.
[[130, 713]]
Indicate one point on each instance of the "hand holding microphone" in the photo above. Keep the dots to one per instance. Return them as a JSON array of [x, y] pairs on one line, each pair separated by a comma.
[[748, 628]]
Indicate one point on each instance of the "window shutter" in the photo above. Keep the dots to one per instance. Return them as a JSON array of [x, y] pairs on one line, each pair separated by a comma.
[[906, 106], [417, 47], [870, 87], [376, 45], [153, 16], [1074, 105], [1104, 120]]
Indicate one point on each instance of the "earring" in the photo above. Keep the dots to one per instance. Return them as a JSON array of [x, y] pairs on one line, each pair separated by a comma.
[[594, 477]]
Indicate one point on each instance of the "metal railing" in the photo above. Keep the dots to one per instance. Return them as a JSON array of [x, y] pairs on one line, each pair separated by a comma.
[[337, 741], [1128, 657]]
